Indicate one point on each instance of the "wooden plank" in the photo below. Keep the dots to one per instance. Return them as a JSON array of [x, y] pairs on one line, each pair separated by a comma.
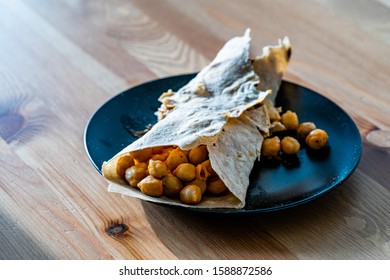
[[202, 37], [49, 153], [61, 60], [91, 33], [51, 226], [49, 36], [371, 16]]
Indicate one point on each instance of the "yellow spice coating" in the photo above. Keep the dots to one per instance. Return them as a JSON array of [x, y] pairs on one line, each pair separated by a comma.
[[185, 172], [151, 186], [191, 194]]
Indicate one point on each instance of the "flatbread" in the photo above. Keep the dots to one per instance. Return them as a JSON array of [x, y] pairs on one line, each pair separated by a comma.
[[271, 65], [222, 109]]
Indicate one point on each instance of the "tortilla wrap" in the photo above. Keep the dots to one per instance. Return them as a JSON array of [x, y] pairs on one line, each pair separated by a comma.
[[222, 108]]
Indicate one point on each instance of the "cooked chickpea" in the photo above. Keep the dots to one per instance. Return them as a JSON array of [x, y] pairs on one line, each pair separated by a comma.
[[175, 158], [209, 168], [161, 152], [151, 186], [305, 128], [185, 172], [290, 145], [198, 182], [185, 152], [290, 120], [135, 174], [317, 139], [168, 149], [123, 163], [157, 150], [271, 147], [277, 127], [272, 111], [216, 186], [201, 172], [198, 155], [143, 165], [191, 194], [172, 185], [163, 156], [157, 168], [142, 155], [273, 114]]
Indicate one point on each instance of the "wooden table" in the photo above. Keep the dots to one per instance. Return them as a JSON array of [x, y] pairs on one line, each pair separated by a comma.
[[61, 60]]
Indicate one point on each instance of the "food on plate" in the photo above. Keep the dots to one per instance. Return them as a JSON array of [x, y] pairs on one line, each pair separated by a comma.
[[286, 135], [151, 186], [172, 185], [317, 139], [198, 155], [290, 145], [271, 147], [290, 120], [191, 194], [305, 128], [185, 172], [188, 171], [209, 132], [136, 173], [157, 168]]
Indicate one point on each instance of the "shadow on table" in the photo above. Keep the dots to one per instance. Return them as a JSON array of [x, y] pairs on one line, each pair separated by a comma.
[[301, 232], [16, 244]]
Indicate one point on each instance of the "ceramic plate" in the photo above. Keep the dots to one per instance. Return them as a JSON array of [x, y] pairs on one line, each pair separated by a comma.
[[274, 185]]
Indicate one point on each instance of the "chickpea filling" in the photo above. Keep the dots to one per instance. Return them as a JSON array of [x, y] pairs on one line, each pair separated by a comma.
[[187, 174], [173, 172]]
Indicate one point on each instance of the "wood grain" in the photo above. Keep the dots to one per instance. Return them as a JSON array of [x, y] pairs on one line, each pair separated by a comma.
[[60, 60]]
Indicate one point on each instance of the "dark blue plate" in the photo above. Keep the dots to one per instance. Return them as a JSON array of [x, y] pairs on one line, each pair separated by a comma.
[[274, 185]]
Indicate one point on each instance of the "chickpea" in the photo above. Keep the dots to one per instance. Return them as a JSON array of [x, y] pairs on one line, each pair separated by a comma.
[[157, 168], [161, 152], [209, 168], [185, 172], [290, 120], [305, 128], [142, 155], [201, 172], [216, 186], [271, 147], [163, 156], [277, 127], [172, 185], [191, 194], [273, 114], [199, 182], [175, 158], [290, 145], [317, 139], [198, 155], [168, 149], [143, 165], [151, 186], [157, 150], [185, 152], [123, 163], [135, 174]]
